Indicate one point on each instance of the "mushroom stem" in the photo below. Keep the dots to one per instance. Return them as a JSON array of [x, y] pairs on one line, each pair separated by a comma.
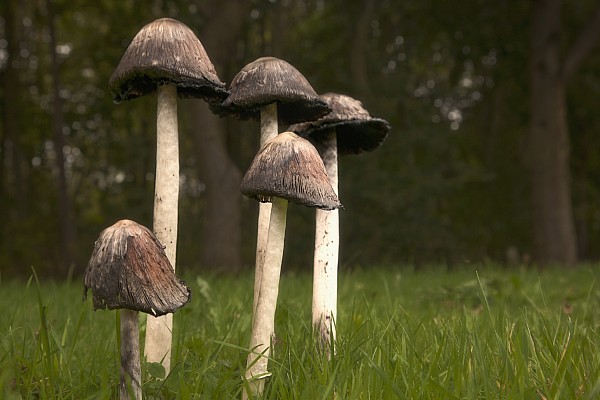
[[268, 123], [327, 243], [166, 194], [264, 319], [130, 356], [268, 130]]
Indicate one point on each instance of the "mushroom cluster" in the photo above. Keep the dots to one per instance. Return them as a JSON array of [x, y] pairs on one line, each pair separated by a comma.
[[131, 270]]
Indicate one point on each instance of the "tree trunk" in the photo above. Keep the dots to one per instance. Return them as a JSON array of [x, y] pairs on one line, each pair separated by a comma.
[[12, 186], [554, 231], [221, 229], [553, 226], [553, 222], [358, 51], [65, 213]]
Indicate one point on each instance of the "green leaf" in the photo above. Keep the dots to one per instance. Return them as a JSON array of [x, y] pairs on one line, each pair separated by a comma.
[[156, 370]]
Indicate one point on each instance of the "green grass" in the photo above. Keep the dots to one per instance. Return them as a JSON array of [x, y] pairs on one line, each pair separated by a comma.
[[429, 334]]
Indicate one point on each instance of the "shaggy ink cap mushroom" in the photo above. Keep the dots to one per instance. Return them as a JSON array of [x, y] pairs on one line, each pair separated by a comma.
[[166, 51], [289, 167], [272, 80], [348, 129], [129, 269], [356, 130]]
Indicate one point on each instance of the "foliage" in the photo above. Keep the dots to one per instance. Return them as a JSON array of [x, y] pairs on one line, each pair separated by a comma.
[[449, 184], [479, 332]]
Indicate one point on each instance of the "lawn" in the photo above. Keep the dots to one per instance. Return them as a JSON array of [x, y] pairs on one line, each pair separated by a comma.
[[476, 332]]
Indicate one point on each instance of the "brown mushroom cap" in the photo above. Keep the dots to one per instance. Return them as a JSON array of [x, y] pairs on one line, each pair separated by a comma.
[[129, 269], [289, 167], [356, 130], [268, 80], [166, 51]]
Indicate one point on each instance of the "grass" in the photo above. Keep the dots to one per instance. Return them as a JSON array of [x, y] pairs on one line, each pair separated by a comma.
[[430, 334]]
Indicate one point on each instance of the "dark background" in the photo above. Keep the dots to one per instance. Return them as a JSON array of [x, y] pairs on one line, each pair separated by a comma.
[[493, 153]]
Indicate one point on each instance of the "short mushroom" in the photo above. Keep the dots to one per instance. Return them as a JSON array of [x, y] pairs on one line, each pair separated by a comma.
[[129, 270], [270, 89], [286, 168], [165, 57], [348, 129]]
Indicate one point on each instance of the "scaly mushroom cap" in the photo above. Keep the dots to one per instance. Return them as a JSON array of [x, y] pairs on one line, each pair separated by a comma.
[[268, 80], [356, 130], [166, 51], [129, 269], [289, 167]]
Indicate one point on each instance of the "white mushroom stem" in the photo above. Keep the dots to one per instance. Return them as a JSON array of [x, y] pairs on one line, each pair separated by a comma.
[[268, 130], [327, 243], [264, 321], [166, 194], [130, 356]]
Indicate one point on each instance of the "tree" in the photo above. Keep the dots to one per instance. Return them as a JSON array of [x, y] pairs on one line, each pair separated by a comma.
[[451, 182], [65, 208], [549, 144], [221, 230], [12, 164]]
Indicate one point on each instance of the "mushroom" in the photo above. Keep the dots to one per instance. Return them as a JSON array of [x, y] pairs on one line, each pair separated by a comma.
[[129, 270], [286, 168], [270, 89], [165, 57], [348, 129]]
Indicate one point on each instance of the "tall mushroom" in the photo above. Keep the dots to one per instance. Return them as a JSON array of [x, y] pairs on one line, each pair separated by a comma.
[[272, 90], [129, 270], [348, 129], [286, 168], [165, 57]]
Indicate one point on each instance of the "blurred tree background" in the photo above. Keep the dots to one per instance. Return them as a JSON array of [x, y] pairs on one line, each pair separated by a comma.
[[492, 154]]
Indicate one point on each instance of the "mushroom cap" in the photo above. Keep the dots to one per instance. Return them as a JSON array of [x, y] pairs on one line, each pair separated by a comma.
[[356, 130], [166, 51], [268, 80], [129, 269], [289, 167]]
